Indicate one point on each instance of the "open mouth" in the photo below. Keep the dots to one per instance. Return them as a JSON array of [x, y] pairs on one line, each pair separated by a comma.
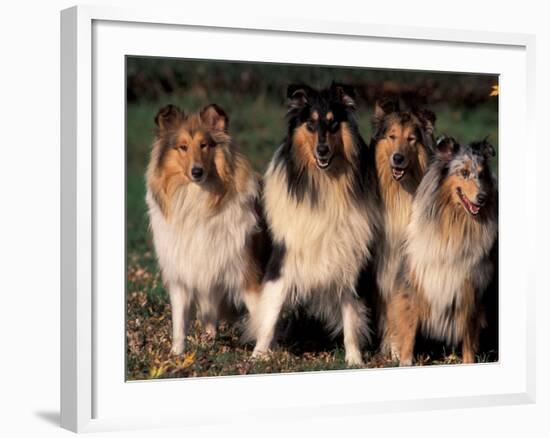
[[398, 172], [323, 163], [468, 205]]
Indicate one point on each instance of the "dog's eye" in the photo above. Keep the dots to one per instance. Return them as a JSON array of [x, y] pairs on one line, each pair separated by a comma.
[[203, 145], [465, 173], [392, 137], [411, 139], [310, 126], [183, 147]]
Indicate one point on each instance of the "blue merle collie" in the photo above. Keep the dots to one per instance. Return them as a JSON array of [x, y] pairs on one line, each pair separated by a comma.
[[446, 257], [321, 209]]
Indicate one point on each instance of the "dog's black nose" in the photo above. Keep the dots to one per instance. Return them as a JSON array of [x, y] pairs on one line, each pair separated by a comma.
[[481, 198], [197, 172], [398, 158], [322, 150]]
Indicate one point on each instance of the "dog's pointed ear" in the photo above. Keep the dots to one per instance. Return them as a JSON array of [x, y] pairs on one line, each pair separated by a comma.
[[446, 147], [427, 119], [385, 106], [382, 108], [483, 147], [297, 95], [345, 94], [487, 148], [214, 117], [168, 118]]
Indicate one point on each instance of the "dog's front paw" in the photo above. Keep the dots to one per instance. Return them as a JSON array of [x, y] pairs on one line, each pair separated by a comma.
[[260, 354], [394, 352], [210, 331], [353, 358], [177, 348]]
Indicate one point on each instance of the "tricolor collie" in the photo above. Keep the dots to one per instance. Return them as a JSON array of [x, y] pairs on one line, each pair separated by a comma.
[[319, 199], [447, 264], [201, 194], [403, 146]]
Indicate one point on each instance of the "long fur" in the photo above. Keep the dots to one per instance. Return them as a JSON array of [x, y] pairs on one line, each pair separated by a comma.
[[203, 233], [446, 265], [322, 224], [397, 195]]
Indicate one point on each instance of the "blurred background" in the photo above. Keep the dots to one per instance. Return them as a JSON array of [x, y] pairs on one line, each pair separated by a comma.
[[253, 95]]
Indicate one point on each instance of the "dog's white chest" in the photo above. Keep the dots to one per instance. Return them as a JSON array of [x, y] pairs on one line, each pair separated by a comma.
[[201, 249], [326, 244]]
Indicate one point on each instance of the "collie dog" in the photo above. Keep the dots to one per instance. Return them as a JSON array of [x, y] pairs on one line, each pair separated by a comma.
[[201, 195], [403, 144], [447, 265], [319, 199]]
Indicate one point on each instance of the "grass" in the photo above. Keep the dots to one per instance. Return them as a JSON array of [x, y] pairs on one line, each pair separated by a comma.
[[148, 343], [257, 126]]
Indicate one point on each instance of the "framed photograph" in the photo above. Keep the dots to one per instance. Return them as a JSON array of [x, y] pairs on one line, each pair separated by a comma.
[[252, 207]]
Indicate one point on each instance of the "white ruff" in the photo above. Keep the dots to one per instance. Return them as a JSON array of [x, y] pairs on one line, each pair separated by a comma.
[[442, 268], [201, 250], [326, 244]]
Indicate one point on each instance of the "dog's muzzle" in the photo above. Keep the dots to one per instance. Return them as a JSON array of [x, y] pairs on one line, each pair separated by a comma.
[[323, 155]]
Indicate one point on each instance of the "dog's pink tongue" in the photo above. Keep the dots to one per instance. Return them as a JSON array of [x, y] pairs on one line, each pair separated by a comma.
[[474, 208]]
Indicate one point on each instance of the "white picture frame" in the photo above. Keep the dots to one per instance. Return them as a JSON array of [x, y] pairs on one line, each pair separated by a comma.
[[93, 396]]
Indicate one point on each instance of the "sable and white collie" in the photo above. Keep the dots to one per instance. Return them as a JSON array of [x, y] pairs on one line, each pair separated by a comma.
[[447, 265], [403, 145], [319, 199], [201, 194]]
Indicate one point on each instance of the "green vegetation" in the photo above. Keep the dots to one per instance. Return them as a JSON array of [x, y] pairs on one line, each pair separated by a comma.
[[253, 95]]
